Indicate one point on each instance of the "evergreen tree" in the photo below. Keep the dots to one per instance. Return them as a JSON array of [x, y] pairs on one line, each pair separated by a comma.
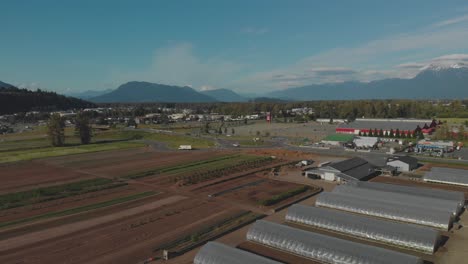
[[381, 134], [391, 134], [233, 131], [56, 130], [83, 128], [360, 134], [225, 130], [397, 133]]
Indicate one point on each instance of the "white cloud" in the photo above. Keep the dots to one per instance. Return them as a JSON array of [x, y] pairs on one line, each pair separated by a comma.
[[451, 21], [207, 88], [178, 65], [255, 30]]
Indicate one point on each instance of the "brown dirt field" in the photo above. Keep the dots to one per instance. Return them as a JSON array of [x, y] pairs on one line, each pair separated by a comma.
[[70, 202], [275, 254], [149, 161], [33, 174], [396, 180], [122, 237], [250, 194]]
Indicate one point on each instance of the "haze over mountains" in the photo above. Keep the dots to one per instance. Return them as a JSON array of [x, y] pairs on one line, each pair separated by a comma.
[[433, 82]]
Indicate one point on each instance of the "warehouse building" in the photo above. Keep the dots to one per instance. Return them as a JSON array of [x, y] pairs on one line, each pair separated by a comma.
[[385, 209], [447, 176], [322, 248], [407, 236], [405, 126], [354, 169], [403, 163], [457, 197], [217, 253]]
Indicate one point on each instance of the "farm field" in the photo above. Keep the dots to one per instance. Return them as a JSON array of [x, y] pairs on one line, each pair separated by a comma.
[[55, 208]]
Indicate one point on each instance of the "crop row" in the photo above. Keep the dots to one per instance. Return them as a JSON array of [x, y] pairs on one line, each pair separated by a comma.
[[17, 199], [201, 176], [283, 196]]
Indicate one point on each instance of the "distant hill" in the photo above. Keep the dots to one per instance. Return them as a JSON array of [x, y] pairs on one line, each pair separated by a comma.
[[433, 82], [225, 95], [89, 94], [152, 92], [5, 85], [268, 100], [14, 100]]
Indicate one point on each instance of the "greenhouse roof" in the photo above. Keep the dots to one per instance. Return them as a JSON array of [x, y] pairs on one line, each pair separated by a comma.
[[398, 234], [385, 209], [323, 248], [419, 191], [217, 253]]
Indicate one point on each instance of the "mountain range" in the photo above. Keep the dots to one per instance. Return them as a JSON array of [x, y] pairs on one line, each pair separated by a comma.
[[433, 82]]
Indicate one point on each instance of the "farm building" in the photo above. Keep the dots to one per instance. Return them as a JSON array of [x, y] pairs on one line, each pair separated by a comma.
[[217, 253], [404, 126], [442, 146], [366, 142], [385, 209], [447, 176], [430, 204], [403, 163], [398, 234], [322, 248], [458, 197], [354, 169]]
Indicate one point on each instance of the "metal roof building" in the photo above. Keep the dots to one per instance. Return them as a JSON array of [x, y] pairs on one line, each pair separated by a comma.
[[428, 203], [323, 248], [354, 169], [363, 125], [385, 209], [458, 197], [397, 234], [217, 253], [447, 176]]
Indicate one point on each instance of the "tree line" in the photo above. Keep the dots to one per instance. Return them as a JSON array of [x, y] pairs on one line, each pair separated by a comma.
[[56, 129]]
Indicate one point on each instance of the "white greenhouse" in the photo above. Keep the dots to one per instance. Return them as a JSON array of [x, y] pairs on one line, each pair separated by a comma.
[[447, 176], [323, 248], [430, 204], [217, 253], [458, 197], [403, 235], [385, 209]]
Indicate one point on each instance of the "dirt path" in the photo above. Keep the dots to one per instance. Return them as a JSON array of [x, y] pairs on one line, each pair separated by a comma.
[[63, 230]]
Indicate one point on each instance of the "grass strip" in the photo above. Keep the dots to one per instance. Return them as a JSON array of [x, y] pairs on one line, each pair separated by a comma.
[[80, 209], [11, 200], [283, 196]]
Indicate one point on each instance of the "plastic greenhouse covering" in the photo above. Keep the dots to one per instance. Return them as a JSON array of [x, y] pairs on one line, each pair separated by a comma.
[[217, 253], [459, 197], [323, 248], [385, 209], [430, 204], [447, 176], [398, 234]]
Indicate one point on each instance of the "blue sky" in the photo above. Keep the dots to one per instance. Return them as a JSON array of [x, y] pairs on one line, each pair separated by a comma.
[[248, 46]]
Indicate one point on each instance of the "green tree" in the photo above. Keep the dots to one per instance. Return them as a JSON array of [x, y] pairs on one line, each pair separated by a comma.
[[461, 133], [83, 128], [391, 134], [359, 134], [257, 133], [56, 130], [233, 131], [381, 134], [397, 133], [225, 130], [370, 134]]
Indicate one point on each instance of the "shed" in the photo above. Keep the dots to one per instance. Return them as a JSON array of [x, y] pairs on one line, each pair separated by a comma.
[[403, 163]]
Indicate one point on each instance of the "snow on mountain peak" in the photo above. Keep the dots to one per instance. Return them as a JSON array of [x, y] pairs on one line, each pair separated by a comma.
[[439, 67]]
